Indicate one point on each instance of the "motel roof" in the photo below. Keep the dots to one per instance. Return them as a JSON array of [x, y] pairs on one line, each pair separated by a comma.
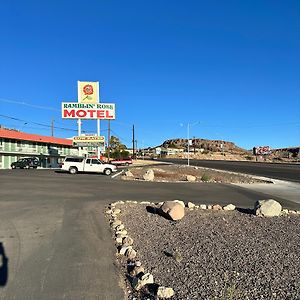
[[18, 135]]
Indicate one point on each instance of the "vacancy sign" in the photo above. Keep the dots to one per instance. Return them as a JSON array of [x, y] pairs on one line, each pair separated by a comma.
[[88, 140], [88, 111]]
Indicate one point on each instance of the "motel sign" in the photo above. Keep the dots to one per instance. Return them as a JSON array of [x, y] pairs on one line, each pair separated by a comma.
[[98, 111]]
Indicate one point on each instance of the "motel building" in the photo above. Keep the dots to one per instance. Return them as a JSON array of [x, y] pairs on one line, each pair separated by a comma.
[[49, 150]]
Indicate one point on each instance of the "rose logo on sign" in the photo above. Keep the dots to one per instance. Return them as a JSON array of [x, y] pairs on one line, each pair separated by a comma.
[[88, 89]]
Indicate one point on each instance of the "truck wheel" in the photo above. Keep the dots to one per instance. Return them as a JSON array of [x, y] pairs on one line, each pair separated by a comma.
[[107, 172], [73, 170], [127, 164]]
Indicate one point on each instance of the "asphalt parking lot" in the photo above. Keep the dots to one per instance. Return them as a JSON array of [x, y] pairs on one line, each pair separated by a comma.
[[55, 236]]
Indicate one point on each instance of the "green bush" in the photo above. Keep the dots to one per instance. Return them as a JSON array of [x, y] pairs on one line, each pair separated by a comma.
[[205, 178]]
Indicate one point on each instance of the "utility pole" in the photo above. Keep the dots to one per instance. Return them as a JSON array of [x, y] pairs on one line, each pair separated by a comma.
[[133, 141], [108, 142], [136, 148], [52, 127], [188, 140]]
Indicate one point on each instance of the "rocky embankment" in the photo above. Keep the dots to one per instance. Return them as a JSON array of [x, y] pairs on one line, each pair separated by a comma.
[[206, 145]]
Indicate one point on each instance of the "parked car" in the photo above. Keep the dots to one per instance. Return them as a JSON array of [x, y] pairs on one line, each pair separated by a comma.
[[75, 164], [121, 161], [26, 163]]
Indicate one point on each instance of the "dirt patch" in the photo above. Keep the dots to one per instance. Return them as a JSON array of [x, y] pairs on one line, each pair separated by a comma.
[[175, 173], [223, 255]]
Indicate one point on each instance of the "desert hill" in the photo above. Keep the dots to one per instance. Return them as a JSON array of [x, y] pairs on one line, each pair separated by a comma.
[[205, 145]]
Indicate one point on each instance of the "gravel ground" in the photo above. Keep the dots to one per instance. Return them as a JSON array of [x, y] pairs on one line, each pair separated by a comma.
[[217, 254], [175, 173]]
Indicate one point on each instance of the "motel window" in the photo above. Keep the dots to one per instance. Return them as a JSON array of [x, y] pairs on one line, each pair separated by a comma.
[[19, 143]]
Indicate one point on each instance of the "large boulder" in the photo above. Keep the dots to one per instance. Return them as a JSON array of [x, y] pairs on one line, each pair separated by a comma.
[[267, 208], [173, 210], [149, 175], [191, 178]]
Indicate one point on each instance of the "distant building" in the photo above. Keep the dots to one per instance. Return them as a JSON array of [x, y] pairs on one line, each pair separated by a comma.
[[50, 150], [173, 151]]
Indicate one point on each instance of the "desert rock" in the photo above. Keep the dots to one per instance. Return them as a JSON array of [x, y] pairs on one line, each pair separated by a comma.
[[165, 292], [191, 178], [173, 210], [267, 208], [138, 283], [229, 207]]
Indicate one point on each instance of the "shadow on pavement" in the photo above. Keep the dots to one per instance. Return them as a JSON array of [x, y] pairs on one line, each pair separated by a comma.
[[3, 267]]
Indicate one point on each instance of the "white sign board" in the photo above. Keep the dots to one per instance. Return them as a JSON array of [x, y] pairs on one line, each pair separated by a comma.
[[88, 141], [100, 111]]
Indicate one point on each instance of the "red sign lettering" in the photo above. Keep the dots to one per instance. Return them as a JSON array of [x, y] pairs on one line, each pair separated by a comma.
[[107, 115], [70, 113], [102, 114], [81, 113], [91, 112]]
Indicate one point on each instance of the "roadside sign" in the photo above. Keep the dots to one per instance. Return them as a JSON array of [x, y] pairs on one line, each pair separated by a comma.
[[263, 150], [88, 111], [88, 141]]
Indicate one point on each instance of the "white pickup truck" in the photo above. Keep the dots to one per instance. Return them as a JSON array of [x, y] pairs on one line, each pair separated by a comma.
[[75, 164]]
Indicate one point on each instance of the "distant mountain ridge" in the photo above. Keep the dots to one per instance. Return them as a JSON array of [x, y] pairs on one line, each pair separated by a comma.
[[209, 145]]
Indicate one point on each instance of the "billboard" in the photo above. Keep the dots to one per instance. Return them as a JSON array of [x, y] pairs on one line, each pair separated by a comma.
[[88, 141], [88, 92], [88, 111], [262, 150]]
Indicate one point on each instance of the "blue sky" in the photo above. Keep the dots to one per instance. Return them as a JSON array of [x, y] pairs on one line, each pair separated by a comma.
[[232, 66]]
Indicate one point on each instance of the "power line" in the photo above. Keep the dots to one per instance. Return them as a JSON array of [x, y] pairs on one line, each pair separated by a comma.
[[28, 104], [39, 124]]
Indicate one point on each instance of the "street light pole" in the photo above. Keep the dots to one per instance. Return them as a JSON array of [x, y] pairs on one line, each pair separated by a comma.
[[188, 141]]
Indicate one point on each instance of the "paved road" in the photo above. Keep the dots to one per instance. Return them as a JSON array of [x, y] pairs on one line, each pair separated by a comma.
[[288, 172], [57, 240]]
